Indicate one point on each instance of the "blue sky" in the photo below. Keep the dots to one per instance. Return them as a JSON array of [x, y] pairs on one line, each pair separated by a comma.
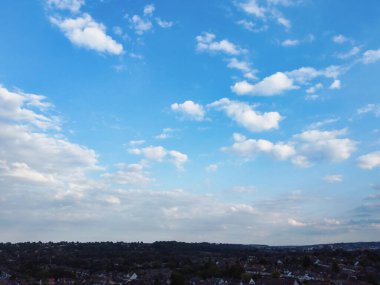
[[241, 121]]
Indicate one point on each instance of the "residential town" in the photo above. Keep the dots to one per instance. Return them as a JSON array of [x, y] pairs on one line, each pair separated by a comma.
[[175, 263]]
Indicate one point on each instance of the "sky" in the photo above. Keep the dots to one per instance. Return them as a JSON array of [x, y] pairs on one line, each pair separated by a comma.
[[233, 121]]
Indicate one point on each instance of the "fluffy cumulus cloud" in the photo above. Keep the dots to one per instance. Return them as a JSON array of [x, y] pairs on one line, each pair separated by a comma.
[[303, 150], [189, 110], [369, 161], [274, 84], [371, 56], [319, 146], [246, 116], [85, 32], [50, 184], [155, 153], [303, 77], [72, 5], [159, 154], [33, 154], [206, 43], [249, 148]]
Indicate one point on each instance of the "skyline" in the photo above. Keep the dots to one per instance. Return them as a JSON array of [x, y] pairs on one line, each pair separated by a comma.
[[237, 121]]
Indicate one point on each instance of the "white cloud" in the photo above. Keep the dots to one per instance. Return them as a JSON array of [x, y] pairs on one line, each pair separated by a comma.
[[149, 9], [84, 32], [319, 145], [178, 159], [243, 189], [21, 171], [274, 84], [17, 107], [118, 30], [240, 65], [371, 56], [283, 2], [239, 137], [189, 110], [322, 123], [212, 167], [129, 174], [333, 178], [352, 52], [165, 134], [290, 43], [136, 142], [136, 55], [301, 161], [47, 181], [339, 39], [72, 5], [206, 43], [314, 88], [335, 85], [264, 12], [164, 24], [285, 22], [370, 108], [243, 66], [312, 97], [140, 25], [248, 25], [304, 75], [111, 199], [251, 74], [33, 152], [246, 116], [332, 222], [159, 153], [249, 148], [294, 223], [252, 7], [144, 23], [370, 160], [155, 153], [304, 150]]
